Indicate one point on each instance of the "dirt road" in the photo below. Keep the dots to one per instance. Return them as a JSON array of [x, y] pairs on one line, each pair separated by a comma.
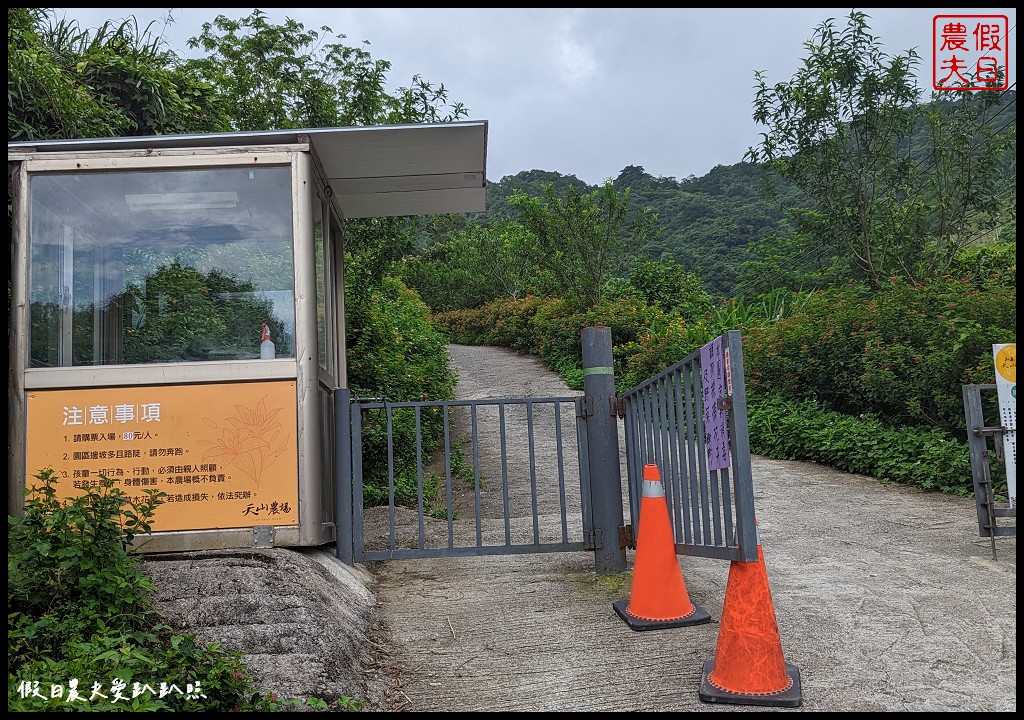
[[886, 600]]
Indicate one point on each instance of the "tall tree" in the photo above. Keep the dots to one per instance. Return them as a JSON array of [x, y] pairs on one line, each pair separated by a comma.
[[288, 76], [899, 186], [584, 240], [118, 79], [474, 265]]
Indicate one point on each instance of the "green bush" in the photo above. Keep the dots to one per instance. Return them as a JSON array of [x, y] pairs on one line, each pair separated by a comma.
[[903, 353], [80, 615], [991, 262], [659, 348], [666, 284], [558, 328], [821, 368], [506, 323], [396, 353], [552, 328], [804, 430]]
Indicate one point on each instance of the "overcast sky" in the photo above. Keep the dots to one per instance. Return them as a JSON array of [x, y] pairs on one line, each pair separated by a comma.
[[584, 91]]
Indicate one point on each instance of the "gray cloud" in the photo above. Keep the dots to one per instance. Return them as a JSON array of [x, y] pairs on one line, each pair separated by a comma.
[[588, 91]]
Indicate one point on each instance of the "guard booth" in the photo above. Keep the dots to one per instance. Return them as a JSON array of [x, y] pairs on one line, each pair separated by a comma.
[[177, 314]]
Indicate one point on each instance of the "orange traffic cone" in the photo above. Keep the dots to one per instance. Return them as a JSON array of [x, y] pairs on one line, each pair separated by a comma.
[[658, 597], [748, 667]]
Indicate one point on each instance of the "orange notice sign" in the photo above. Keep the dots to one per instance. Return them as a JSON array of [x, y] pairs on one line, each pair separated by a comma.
[[225, 454]]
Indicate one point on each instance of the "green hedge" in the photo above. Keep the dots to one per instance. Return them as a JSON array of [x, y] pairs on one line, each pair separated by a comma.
[[902, 354], [824, 366], [396, 352], [803, 430]]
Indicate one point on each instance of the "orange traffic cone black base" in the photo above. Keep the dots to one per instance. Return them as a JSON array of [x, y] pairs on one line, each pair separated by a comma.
[[790, 697], [658, 597], [697, 616]]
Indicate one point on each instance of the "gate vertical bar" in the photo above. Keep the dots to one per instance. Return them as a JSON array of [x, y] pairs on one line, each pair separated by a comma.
[[664, 458], [561, 472], [694, 449], [506, 502], [587, 506], [603, 450], [476, 476], [419, 478], [533, 471], [673, 457], [679, 433], [343, 476], [450, 510], [633, 471]]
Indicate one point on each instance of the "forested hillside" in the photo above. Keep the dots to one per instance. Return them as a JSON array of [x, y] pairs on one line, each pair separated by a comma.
[[708, 223]]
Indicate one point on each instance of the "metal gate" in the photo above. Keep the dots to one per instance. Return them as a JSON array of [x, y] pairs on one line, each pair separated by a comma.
[[691, 420], [985, 442], [507, 465], [481, 460]]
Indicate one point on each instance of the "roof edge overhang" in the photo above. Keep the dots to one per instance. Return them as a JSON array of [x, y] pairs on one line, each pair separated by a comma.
[[373, 170]]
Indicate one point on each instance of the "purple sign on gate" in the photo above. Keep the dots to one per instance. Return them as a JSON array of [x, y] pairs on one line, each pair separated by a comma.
[[716, 429]]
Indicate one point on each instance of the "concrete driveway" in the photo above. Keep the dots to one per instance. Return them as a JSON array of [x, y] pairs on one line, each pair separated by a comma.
[[885, 599]]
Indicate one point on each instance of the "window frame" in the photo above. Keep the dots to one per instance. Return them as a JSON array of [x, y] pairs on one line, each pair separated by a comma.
[[154, 373]]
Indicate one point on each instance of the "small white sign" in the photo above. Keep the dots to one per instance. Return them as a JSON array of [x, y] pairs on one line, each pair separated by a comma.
[[1006, 388]]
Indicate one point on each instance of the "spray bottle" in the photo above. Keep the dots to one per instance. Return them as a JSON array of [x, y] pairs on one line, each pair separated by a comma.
[[267, 350]]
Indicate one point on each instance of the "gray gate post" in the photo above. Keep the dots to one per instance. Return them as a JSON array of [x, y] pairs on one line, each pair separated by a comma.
[[603, 450], [343, 476]]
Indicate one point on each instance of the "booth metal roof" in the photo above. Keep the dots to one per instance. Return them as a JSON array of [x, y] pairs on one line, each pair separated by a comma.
[[373, 171]]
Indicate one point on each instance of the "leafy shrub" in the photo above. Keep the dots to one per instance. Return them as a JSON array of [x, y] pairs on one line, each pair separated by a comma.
[[805, 430], [558, 327], [843, 356], [903, 353], [667, 285], [990, 262], [80, 614], [552, 328], [444, 278], [507, 323], [667, 343], [396, 353]]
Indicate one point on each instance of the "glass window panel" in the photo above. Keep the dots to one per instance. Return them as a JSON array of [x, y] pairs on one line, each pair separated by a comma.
[[160, 266], [336, 268], [323, 307]]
